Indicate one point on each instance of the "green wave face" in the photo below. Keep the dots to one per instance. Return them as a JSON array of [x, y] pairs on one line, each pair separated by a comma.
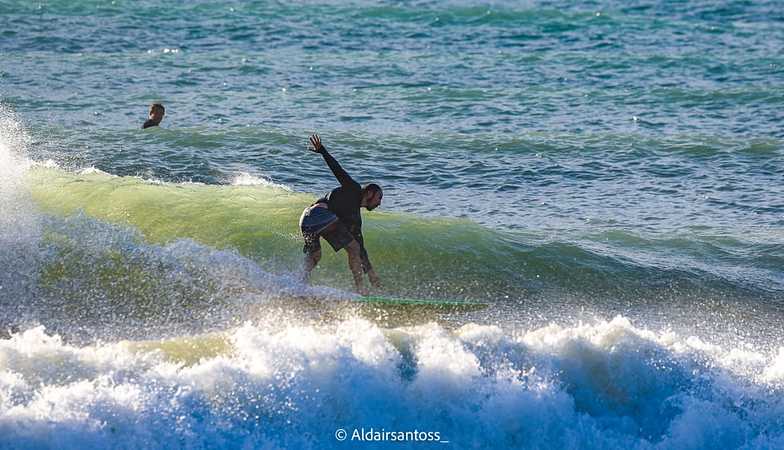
[[250, 219], [415, 256]]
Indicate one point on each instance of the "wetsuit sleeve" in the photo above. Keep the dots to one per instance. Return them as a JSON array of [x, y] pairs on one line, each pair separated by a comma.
[[340, 174]]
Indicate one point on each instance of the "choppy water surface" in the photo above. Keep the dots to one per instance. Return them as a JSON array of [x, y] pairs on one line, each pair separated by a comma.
[[607, 177]]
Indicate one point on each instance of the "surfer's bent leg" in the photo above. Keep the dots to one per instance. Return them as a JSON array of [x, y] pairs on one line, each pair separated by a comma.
[[339, 237], [311, 260], [315, 219]]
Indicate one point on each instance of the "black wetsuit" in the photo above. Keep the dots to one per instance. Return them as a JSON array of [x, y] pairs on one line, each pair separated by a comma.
[[149, 123], [344, 202]]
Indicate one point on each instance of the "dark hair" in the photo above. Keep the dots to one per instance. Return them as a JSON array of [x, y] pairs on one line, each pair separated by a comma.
[[156, 106], [372, 187]]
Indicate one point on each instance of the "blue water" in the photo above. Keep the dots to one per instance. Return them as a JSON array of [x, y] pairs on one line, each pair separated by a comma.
[[607, 176]]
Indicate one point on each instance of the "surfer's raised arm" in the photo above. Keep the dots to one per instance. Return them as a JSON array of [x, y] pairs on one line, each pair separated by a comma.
[[342, 176]]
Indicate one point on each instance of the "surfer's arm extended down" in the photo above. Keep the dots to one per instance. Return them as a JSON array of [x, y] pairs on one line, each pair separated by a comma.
[[340, 174], [366, 266]]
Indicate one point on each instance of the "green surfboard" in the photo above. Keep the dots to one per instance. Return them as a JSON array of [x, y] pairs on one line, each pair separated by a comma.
[[446, 305]]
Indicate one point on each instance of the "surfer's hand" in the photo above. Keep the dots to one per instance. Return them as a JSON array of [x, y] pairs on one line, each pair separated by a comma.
[[315, 144], [374, 280]]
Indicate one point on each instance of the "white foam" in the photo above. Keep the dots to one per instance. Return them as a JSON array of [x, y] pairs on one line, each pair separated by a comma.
[[93, 171], [13, 162], [600, 385], [774, 372], [246, 179]]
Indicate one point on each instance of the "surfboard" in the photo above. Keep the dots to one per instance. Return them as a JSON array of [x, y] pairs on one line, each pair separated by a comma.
[[450, 305]]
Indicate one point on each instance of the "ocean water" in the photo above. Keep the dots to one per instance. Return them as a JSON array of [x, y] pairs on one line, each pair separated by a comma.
[[608, 177]]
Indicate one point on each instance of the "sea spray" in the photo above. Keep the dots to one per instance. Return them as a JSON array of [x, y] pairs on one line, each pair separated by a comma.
[[20, 229]]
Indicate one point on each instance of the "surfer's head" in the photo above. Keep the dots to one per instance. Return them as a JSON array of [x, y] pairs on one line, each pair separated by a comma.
[[156, 112], [371, 196]]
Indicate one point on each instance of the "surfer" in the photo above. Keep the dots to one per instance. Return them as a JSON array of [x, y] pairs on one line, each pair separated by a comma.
[[336, 218], [156, 115]]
